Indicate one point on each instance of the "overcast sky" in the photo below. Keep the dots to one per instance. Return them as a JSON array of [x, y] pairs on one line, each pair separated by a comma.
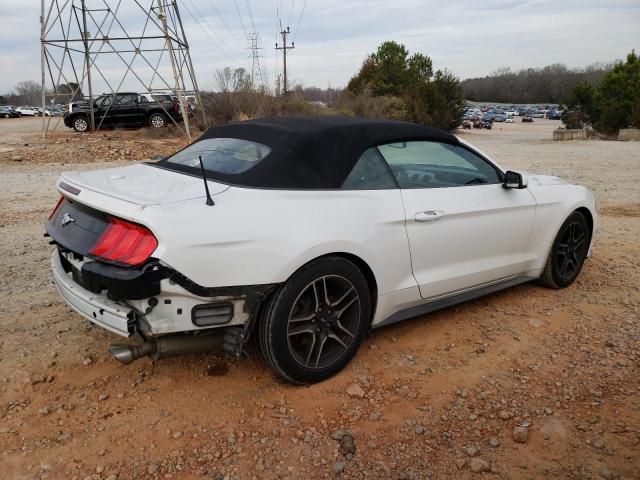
[[332, 37]]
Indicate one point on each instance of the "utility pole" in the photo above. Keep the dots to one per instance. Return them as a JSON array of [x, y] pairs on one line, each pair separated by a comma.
[[284, 48]]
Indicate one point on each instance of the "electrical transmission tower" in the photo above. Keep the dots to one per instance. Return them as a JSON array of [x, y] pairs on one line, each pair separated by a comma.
[[256, 69], [110, 46], [284, 49]]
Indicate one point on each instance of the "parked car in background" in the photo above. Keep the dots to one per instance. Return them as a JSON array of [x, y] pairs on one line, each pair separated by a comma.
[[482, 124], [509, 120], [537, 113], [9, 112], [527, 118], [554, 114], [499, 118], [122, 109], [487, 117], [53, 112], [28, 111]]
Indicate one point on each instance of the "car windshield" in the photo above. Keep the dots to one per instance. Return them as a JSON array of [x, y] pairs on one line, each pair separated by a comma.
[[222, 155]]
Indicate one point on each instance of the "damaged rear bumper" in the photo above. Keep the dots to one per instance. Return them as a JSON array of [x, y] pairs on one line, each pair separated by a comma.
[[97, 308], [169, 322]]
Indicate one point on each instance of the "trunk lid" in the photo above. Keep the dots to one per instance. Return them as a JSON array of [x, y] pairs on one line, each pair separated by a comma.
[[142, 184]]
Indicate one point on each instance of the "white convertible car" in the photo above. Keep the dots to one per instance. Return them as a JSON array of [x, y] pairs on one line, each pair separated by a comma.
[[303, 234]]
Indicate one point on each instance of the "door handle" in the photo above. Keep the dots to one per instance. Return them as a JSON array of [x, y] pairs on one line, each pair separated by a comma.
[[429, 215]]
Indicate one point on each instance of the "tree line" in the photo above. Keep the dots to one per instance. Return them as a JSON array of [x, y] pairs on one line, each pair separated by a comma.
[[30, 93], [551, 84]]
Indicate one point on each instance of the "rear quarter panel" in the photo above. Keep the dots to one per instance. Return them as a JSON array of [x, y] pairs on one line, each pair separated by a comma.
[[255, 236]]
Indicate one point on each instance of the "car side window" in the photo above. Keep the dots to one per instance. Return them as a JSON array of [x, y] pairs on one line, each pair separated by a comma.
[[369, 173], [423, 164], [122, 100], [103, 101]]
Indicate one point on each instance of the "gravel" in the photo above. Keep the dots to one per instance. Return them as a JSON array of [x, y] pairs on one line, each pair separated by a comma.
[[565, 361]]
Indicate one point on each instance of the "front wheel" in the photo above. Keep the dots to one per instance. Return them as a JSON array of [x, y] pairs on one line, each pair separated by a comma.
[[315, 323], [568, 252], [157, 120]]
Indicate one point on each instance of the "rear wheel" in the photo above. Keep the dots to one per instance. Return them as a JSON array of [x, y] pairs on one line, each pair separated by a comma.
[[81, 124], [157, 120], [568, 252], [314, 325], [6, 115]]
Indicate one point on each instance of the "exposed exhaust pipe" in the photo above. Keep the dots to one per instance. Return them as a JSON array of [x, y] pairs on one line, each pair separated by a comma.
[[168, 346]]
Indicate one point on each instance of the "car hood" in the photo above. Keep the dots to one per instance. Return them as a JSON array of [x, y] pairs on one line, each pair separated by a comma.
[[542, 180], [142, 184]]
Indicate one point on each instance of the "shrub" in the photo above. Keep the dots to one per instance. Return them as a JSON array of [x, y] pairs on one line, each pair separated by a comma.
[[410, 89], [613, 104]]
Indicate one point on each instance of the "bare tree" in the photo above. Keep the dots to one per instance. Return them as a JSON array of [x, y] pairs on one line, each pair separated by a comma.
[[28, 92], [550, 84]]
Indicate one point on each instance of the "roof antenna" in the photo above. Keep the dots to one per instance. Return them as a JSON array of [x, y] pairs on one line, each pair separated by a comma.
[[206, 186]]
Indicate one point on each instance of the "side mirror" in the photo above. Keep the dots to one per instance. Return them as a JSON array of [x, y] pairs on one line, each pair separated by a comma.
[[513, 180]]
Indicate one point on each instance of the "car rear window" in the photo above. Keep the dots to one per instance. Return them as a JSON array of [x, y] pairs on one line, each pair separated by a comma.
[[221, 155]]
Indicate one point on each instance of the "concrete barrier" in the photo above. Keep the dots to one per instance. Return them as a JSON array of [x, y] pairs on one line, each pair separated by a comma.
[[573, 134], [626, 134]]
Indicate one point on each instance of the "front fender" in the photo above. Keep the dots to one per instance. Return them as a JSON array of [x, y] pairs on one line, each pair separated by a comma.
[[555, 202]]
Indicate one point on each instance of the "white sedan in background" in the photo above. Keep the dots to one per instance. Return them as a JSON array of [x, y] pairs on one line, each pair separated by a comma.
[[304, 234], [28, 111]]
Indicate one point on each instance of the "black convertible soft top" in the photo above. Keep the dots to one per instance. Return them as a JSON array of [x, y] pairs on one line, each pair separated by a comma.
[[312, 152]]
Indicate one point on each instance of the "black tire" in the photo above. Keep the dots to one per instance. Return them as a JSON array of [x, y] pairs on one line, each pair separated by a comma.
[[80, 123], [157, 120], [297, 333], [568, 252]]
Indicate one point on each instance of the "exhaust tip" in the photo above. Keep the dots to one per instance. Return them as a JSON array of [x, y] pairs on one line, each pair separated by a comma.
[[128, 353], [123, 353]]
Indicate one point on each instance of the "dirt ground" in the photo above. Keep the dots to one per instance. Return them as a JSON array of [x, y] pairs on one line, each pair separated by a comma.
[[528, 383]]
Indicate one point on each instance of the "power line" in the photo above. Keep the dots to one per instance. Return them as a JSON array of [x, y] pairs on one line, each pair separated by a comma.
[[240, 17], [248, 5], [295, 32], [215, 9], [220, 40], [291, 12]]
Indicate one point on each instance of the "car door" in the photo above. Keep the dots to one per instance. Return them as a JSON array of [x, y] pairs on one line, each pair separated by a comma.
[[102, 111], [125, 109], [465, 230]]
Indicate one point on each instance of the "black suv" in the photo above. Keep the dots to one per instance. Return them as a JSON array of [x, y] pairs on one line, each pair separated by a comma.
[[125, 109]]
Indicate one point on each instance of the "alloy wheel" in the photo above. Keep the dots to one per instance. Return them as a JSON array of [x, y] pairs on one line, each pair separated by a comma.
[[571, 250], [323, 321], [157, 121], [81, 125]]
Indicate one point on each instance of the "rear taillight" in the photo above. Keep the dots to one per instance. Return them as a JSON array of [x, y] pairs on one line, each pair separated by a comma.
[[60, 200], [125, 242]]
